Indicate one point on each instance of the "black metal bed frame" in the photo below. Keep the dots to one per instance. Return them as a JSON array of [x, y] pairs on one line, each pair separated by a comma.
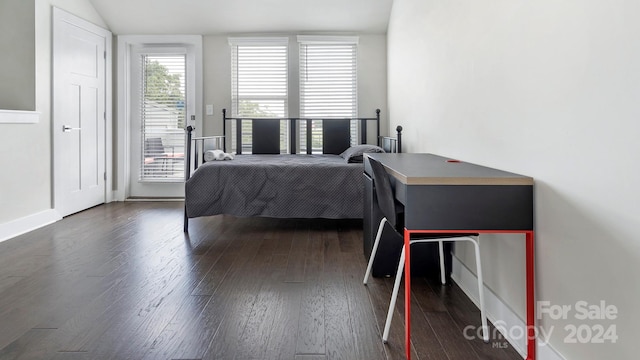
[[387, 142], [293, 128]]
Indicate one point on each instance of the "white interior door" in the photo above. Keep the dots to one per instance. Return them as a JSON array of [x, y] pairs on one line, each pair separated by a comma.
[[161, 103], [79, 113]]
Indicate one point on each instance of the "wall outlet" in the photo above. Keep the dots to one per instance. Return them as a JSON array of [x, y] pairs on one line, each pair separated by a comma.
[[209, 109]]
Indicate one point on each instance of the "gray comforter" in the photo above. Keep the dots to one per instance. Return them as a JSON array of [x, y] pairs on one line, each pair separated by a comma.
[[281, 186]]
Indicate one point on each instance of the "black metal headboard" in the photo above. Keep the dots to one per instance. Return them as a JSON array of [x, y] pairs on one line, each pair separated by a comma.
[[336, 133]]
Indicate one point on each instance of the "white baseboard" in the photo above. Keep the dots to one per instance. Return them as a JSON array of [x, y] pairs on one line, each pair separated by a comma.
[[25, 224], [116, 195], [500, 313]]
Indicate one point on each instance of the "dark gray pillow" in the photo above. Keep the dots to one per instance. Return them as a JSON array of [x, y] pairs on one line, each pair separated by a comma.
[[354, 153]]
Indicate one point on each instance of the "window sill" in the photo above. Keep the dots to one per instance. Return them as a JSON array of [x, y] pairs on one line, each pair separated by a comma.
[[19, 117]]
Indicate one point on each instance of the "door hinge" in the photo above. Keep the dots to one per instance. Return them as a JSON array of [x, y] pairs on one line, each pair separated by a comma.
[[105, 176], [105, 55], [104, 116]]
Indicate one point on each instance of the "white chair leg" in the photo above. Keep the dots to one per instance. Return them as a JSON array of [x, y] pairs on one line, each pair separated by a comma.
[[485, 329], [443, 279], [476, 244], [374, 250], [394, 297]]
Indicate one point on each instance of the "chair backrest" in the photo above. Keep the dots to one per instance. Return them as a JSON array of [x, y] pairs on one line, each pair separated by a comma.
[[384, 192], [153, 146]]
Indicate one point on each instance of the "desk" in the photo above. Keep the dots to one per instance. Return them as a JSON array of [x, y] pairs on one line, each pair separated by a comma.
[[442, 195]]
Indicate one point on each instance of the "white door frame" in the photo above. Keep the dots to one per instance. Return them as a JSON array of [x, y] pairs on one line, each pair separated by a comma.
[[60, 16], [125, 45]]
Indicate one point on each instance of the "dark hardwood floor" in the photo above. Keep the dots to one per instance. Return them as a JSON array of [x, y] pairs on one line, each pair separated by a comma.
[[122, 281]]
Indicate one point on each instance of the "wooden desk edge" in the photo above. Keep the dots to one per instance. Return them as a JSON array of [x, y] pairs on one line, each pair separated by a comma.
[[520, 180]]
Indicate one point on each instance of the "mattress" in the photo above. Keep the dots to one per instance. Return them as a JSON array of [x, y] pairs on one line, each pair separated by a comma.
[[279, 186]]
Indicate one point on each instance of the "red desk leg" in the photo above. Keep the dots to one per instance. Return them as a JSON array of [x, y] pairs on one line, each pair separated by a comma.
[[407, 293], [531, 306]]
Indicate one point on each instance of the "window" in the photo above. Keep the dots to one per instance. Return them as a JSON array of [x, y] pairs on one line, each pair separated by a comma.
[[327, 86], [162, 115], [328, 83], [259, 87]]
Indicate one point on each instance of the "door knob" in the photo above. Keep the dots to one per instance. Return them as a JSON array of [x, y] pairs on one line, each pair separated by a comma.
[[67, 128]]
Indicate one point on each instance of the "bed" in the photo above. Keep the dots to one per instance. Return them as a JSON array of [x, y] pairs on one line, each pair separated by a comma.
[[289, 185]]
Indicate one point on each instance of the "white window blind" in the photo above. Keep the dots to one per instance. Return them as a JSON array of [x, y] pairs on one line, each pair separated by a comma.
[[259, 86], [328, 83], [162, 99]]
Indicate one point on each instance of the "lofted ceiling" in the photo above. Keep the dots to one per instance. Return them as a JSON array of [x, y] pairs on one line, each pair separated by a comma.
[[126, 17]]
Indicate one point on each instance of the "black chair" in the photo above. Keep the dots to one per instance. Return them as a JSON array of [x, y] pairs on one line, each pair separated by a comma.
[[153, 147], [390, 208]]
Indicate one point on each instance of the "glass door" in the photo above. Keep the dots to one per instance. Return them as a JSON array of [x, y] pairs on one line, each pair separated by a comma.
[[160, 104]]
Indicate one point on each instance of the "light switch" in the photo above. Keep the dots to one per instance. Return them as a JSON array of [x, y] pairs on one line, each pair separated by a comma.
[[209, 109]]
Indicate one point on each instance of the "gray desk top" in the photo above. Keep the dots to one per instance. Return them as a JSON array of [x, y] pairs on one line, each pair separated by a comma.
[[430, 169]]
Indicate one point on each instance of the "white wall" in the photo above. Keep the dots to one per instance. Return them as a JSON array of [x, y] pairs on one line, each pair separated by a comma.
[[372, 86], [25, 181], [372, 82], [548, 89], [217, 81]]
